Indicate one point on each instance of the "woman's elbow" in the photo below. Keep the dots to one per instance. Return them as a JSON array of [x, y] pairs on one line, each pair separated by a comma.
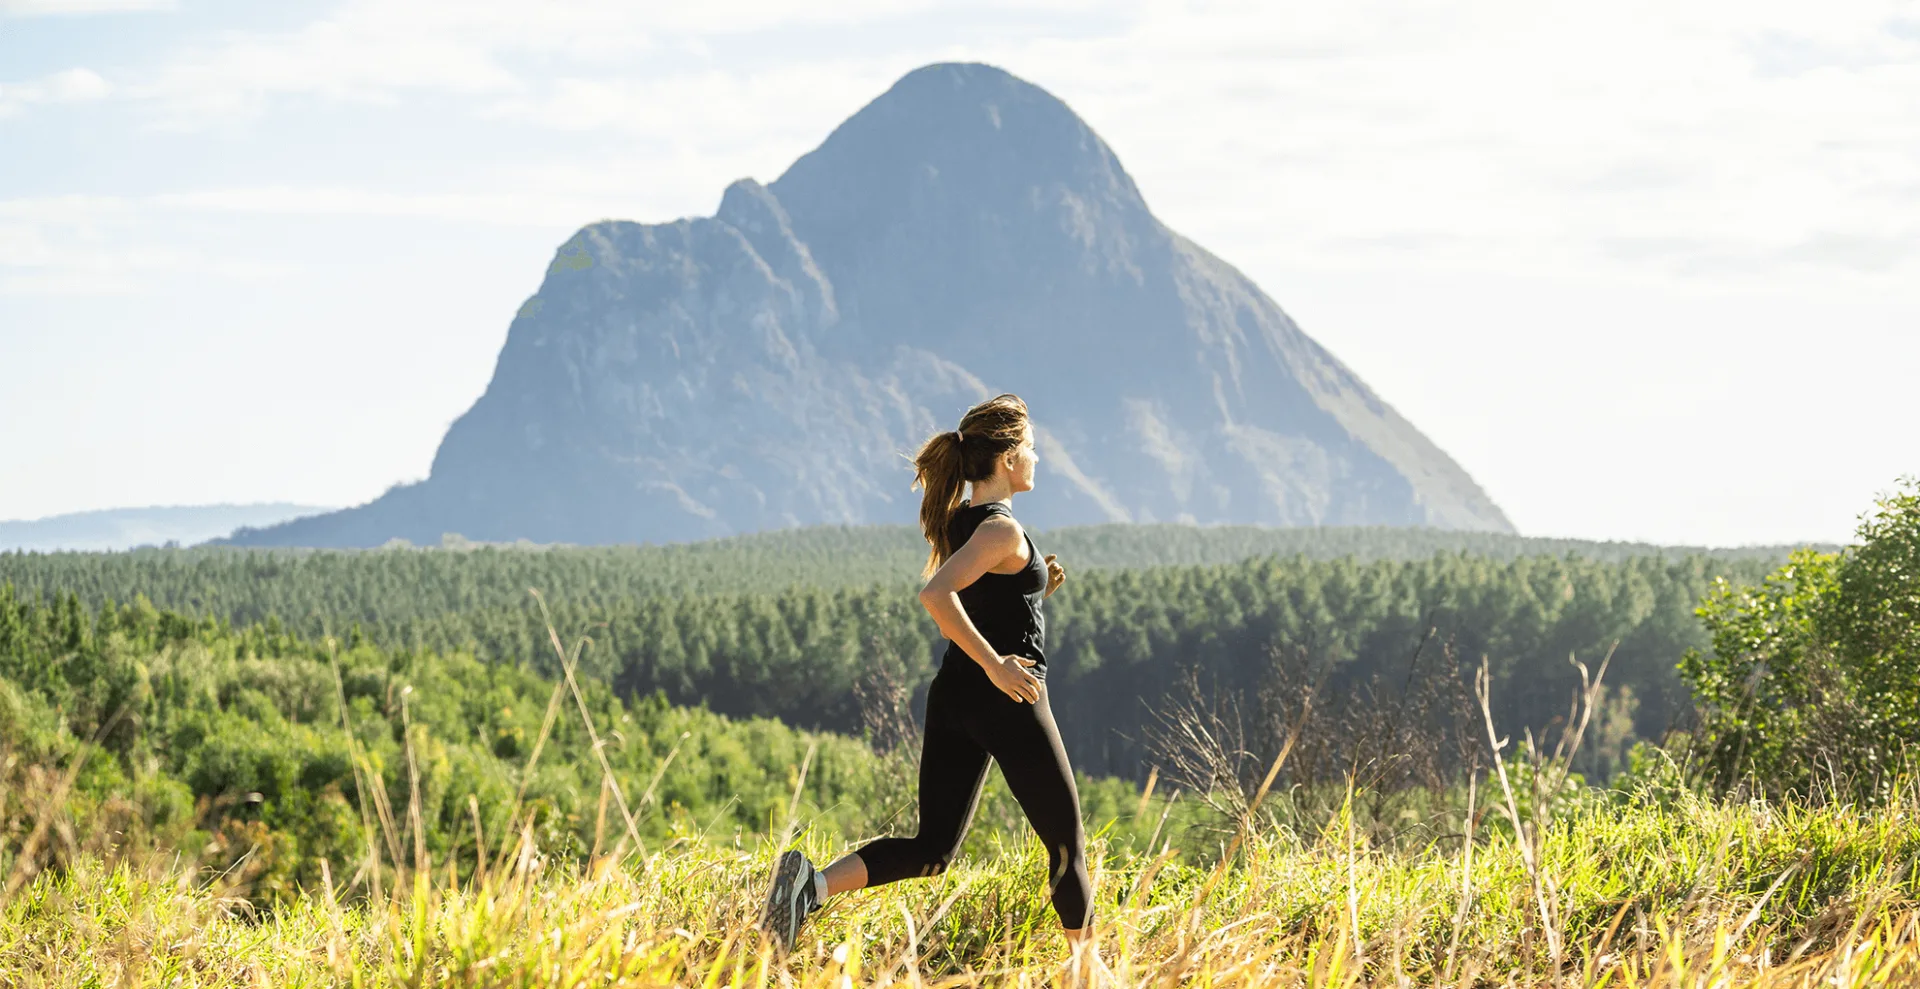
[[928, 595]]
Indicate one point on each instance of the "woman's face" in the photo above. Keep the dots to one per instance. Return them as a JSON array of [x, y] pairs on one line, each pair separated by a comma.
[[1019, 462]]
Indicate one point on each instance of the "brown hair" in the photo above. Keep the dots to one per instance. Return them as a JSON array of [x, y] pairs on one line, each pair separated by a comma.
[[949, 460]]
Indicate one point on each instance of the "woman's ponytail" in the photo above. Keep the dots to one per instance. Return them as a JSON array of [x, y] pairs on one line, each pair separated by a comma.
[[949, 460], [939, 470]]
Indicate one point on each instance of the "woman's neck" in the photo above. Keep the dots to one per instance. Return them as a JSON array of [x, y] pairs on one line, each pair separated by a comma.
[[990, 491]]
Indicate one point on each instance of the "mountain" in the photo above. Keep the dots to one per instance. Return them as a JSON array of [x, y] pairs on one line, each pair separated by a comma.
[[125, 528], [963, 234]]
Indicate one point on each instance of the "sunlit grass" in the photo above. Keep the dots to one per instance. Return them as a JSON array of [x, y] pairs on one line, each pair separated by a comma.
[[1651, 885], [1689, 892]]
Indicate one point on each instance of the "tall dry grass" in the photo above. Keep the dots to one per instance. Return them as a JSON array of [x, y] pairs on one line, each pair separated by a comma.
[[1694, 894]]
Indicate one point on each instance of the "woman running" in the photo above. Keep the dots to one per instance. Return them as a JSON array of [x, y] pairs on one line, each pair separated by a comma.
[[985, 582]]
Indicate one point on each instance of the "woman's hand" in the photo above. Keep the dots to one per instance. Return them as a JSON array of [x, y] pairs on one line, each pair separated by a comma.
[[1010, 674], [1056, 575]]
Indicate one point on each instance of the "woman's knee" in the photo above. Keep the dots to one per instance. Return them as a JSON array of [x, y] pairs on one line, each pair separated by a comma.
[[1070, 885], [1068, 880], [1067, 853]]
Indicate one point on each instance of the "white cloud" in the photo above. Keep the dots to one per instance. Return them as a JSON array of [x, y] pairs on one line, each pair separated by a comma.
[[32, 265], [61, 209], [32, 8], [76, 85], [1748, 138], [1729, 140], [502, 208], [1511, 136], [376, 50], [100, 245], [710, 117], [115, 245]]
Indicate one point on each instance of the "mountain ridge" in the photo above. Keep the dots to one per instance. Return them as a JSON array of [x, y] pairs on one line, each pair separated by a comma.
[[964, 233], [153, 525]]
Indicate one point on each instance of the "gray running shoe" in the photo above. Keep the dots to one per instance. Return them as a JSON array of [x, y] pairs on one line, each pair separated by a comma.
[[790, 899]]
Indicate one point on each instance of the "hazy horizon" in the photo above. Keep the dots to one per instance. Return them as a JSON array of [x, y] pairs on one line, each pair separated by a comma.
[[269, 512]]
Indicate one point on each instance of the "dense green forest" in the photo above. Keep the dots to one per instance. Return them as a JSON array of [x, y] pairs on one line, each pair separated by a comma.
[[249, 585], [789, 625], [266, 750]]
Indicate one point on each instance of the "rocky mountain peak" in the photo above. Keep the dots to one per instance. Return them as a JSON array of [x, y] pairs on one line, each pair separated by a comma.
[[965, 233], [967, 137]]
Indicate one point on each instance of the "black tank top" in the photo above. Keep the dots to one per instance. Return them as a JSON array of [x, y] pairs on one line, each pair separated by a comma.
[[1005, 607]]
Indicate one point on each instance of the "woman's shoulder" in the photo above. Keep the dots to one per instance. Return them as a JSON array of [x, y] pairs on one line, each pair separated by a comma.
[[994, 515]]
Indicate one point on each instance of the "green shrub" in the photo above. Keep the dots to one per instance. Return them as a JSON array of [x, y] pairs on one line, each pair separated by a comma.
[[1812, 684]]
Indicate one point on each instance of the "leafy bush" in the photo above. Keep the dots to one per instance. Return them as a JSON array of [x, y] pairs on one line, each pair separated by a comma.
[[1812, 684]]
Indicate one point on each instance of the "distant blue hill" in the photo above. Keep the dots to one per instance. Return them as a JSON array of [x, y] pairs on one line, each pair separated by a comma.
[[125, 528]]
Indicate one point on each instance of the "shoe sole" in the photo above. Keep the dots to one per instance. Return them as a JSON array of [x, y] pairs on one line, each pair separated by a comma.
[[782, 917]]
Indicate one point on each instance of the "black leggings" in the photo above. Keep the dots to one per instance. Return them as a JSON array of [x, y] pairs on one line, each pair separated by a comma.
[[968, 721]]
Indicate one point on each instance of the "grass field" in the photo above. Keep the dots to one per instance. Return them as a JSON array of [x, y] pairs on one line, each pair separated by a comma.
[[1519, 881], [1662, 888]]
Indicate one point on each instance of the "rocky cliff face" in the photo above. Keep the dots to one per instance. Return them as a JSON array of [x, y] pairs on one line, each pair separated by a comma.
[[962, 235]]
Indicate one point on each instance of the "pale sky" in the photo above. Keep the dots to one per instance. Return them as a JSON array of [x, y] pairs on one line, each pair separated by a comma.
[[1648, 270]]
